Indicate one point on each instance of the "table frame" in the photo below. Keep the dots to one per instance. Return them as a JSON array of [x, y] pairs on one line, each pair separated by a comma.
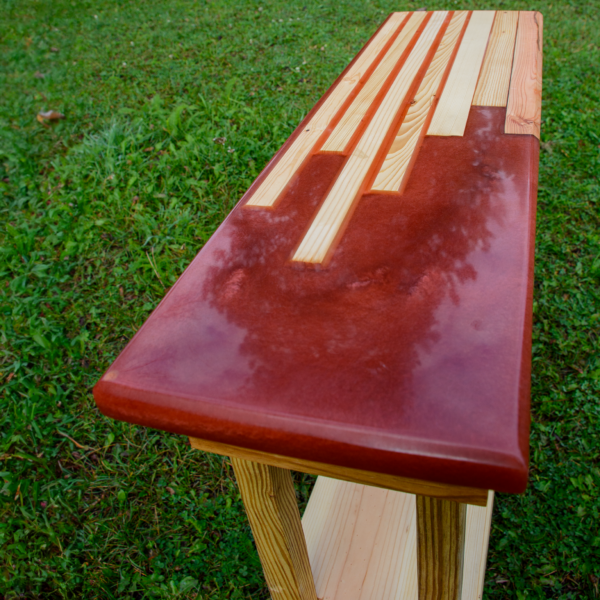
[[451, 528]]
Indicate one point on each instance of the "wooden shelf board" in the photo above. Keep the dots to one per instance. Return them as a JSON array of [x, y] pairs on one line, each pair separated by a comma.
[[361, 543]]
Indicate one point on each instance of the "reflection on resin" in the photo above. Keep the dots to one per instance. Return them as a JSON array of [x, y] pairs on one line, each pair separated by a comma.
[[422, 306]]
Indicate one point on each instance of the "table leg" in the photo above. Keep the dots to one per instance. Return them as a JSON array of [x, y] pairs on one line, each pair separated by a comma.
[[270, 502], [440, 548]]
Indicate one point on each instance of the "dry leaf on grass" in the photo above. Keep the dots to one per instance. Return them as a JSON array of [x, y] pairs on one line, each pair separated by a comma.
[[39, 75], [49, 115]]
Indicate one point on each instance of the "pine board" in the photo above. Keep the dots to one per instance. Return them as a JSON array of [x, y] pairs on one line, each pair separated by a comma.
[[270, 503], [400, 155], [524, 109], [452, 111], [477, 535], [362, 543], [341, 135], [285, 168], [332, 214], [492, 88], [440, 548], [457, 493]]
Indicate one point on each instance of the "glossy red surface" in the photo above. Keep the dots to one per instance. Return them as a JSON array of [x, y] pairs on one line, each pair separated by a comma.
[[409, 353]]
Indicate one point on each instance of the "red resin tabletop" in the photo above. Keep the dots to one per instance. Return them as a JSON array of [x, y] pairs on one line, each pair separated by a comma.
[[368, 302]]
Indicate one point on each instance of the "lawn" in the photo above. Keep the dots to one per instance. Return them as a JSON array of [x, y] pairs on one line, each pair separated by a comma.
[[171, 110]]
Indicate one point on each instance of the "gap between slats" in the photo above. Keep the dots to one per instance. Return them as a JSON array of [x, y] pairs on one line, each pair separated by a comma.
[[363, 103], [330, 218], [396, 165], [288, 164]]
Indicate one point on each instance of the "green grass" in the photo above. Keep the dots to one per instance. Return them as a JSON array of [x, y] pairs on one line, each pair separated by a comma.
[[103, 210]]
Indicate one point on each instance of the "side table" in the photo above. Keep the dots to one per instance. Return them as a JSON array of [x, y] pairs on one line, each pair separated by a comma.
[[364, 314]]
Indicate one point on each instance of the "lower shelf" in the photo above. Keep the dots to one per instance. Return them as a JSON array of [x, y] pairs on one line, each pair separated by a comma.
[[362, 543]]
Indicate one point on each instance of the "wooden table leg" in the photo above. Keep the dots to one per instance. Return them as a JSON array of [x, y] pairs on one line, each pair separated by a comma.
[[270, 502], [440, 548]]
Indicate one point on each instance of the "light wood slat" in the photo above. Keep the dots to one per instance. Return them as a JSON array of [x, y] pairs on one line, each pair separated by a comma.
[[492, 88], [524, 109], [352, 118], [288, 164], [452, 111], [479, 523], [400, 155], [361, 542], [393, 482], [440, 548], [270, 502], [333, 212]]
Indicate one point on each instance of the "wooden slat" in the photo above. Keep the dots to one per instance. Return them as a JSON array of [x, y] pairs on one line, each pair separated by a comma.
[[440, 548], [332, 214], [361, 542], [400, 155], [492, 87], [288, 164], [524, 109], [393, 482], [270, 502], [452, 111], [352, 118], [479, 523]]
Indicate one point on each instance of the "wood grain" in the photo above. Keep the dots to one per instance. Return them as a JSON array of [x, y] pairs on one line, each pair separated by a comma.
[[361, 542], [440, 548], [524, 109], [332, 214], [393, 482], [270, 502], [354, 115], [285, 168], [398, 159], [452, 111], [477, 538], [492, 87]]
